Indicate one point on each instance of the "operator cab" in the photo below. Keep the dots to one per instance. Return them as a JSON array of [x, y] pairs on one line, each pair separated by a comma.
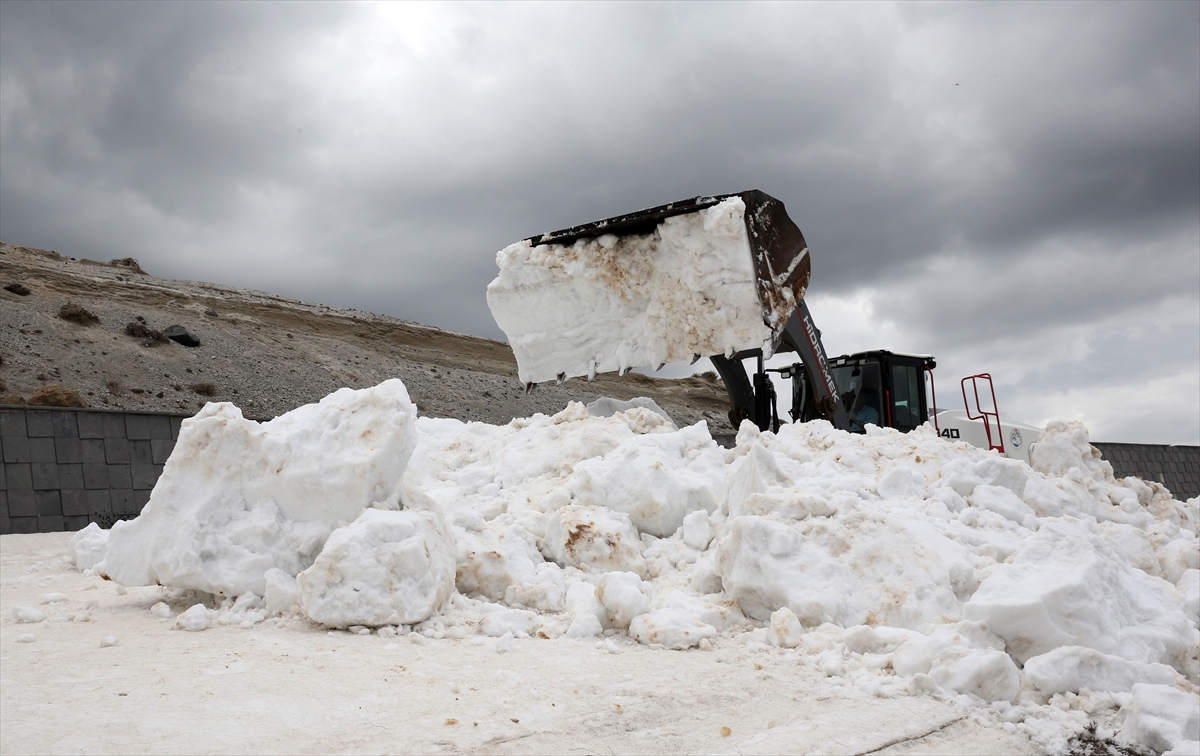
[[877, 388]]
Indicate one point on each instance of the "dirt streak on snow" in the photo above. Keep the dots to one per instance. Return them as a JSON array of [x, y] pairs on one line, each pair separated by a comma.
[[293, 686]]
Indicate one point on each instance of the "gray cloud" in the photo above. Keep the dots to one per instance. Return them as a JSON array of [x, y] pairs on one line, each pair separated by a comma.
[[998, 175]]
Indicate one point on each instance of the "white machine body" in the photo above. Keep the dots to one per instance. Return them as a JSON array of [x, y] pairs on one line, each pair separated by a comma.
[[1016, 438]]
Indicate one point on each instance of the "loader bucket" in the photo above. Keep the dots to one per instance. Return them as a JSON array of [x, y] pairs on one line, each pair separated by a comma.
[[704, 276]]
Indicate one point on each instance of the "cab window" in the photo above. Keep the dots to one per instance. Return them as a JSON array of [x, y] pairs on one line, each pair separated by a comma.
[[858, 385], [907, 385]]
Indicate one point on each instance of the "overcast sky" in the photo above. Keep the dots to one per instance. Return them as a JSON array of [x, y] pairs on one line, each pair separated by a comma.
[[1014, 188]]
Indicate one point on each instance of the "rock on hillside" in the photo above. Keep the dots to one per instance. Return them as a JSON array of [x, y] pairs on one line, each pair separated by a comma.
[[265, 353]]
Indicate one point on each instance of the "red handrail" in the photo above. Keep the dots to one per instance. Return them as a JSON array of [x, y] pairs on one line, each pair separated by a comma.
[[984, 414]]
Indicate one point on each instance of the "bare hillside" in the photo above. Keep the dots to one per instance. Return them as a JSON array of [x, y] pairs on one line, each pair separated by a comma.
[[265, 353]]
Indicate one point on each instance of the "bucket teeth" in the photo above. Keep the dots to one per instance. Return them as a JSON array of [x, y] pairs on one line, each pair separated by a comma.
[[562, 377], [695, 359], [591, 371], [529, 388], [661, 365], [623, 371]]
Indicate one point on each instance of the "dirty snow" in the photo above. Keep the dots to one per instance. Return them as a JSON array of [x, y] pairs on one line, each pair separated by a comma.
[[686, 289], [953, 587]]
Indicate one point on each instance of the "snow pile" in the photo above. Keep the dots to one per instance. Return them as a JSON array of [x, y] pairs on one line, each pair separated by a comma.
[[688, 288], [237, 498], [901, 564]]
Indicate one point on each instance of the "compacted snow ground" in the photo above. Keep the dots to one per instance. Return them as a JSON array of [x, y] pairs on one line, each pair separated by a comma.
[[293, 686], [352, 577]]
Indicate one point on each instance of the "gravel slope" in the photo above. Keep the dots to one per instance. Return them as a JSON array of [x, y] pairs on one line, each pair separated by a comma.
[[269, 354]]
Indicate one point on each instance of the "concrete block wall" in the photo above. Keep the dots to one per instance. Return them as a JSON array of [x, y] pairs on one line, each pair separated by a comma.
[[1176, 467], [64, 468]]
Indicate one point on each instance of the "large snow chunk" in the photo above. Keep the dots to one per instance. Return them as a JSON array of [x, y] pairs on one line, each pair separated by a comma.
[[784, 629], [501, 564], [987, 673], [624, 596], [1179, 555], [670, 627], [656, 479], [722, 616], [917, 655], [1162, 717], [1073, 668], [89, 546], [594, 539], [861, 570], [386, 568], [237, 498], [1067, 587], [545, 590], [687, 288], [516, 623], [195, 619]]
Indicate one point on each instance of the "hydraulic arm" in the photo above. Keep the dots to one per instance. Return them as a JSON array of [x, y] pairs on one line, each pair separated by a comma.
[[754, 400]]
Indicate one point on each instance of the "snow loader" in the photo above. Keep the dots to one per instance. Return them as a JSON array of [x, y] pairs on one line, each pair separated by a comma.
[[723, 277]]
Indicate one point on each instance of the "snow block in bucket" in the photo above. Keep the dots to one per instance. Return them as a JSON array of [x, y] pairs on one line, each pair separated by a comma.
[[705, 276]]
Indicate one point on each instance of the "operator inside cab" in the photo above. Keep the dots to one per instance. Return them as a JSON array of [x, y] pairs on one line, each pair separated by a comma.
[[867, 410], [861, 394]]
